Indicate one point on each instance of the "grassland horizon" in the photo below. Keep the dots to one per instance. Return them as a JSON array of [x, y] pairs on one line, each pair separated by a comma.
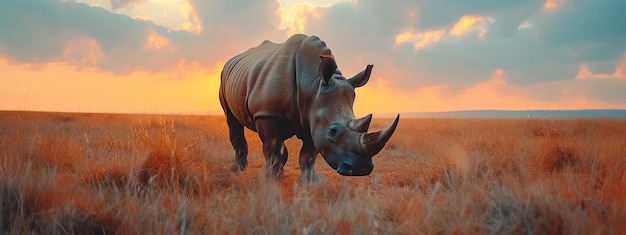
[[88, 173], [458, 114]]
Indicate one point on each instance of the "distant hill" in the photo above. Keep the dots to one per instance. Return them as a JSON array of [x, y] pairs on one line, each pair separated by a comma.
[[532, 114]]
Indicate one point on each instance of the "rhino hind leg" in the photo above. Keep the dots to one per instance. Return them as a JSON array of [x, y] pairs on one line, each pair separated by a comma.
[[274, 148], [238, 141]]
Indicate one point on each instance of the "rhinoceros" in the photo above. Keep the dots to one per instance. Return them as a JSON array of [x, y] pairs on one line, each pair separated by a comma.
[[295, 88]]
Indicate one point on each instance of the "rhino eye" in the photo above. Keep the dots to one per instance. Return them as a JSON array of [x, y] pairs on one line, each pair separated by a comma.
[[332, 132]]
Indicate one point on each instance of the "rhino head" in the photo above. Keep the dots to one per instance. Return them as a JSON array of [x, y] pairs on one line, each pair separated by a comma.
[[342, 139]]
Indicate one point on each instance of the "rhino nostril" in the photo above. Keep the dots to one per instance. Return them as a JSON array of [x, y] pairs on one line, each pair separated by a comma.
[[345, 169]]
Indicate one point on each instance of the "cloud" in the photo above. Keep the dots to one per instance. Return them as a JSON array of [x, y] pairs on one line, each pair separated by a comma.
[[592, 30], [553, 4], [429, 49], [116, 4], [46, 33], [456, 44], [468, 23], [82, 51], [249, 17], [88, 35], [191, 21], [493, 92], [420, 39], [619, 72], [156, 41], [293, 18], [463, 26]]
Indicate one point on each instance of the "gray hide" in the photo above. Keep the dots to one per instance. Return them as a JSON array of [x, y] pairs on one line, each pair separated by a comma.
[[295, 88]]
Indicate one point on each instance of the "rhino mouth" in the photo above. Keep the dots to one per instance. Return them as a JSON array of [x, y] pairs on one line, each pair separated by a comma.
[[357, 159], [349, 168]]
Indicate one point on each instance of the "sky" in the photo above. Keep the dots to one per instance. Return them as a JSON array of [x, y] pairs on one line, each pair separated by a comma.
[[165, 56]]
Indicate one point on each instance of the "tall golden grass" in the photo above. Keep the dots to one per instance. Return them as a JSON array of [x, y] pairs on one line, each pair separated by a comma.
[[162, 174]]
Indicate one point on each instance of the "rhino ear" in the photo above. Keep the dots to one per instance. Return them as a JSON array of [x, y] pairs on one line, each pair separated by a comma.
[[361, 79], [327, 67]]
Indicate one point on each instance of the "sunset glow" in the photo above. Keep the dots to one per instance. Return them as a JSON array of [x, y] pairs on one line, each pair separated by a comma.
[[59, 87], [149, 56]]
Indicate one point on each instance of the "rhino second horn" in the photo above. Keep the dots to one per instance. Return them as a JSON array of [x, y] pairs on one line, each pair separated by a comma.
[[361, 125], [373, 143]]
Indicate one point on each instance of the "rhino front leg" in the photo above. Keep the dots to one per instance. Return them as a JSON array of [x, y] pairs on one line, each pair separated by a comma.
[[238, 141], [274, 148], [308, 154]]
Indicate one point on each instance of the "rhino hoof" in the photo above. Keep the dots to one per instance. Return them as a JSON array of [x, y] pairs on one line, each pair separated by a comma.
[[311, 179], [274, 175], [237, 168]]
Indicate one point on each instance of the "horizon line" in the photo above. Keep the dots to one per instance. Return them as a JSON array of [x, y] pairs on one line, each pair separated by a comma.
[[470, 113]]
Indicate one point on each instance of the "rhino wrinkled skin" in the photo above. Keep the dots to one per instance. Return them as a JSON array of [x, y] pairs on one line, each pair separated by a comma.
[[295, 88]]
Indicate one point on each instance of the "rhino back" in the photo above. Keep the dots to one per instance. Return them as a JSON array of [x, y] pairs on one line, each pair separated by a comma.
[[261, 82]]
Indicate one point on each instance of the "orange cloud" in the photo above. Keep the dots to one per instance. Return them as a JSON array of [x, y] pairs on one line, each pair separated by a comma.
[[468, 23], [553, 4], [585, 73], [424, 39], [191, 21], [492, 93], [420, 39], [84, 51], [155, 41], [293, 18]]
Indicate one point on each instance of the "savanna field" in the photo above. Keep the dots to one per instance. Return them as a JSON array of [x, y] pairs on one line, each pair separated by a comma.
[[66, 173]]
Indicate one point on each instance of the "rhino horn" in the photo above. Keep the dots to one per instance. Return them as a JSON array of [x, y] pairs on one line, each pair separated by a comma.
[[361, 78], [362, 124], [372, 143]]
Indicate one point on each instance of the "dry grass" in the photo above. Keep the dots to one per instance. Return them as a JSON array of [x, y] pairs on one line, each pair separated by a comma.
[[141, 174]]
